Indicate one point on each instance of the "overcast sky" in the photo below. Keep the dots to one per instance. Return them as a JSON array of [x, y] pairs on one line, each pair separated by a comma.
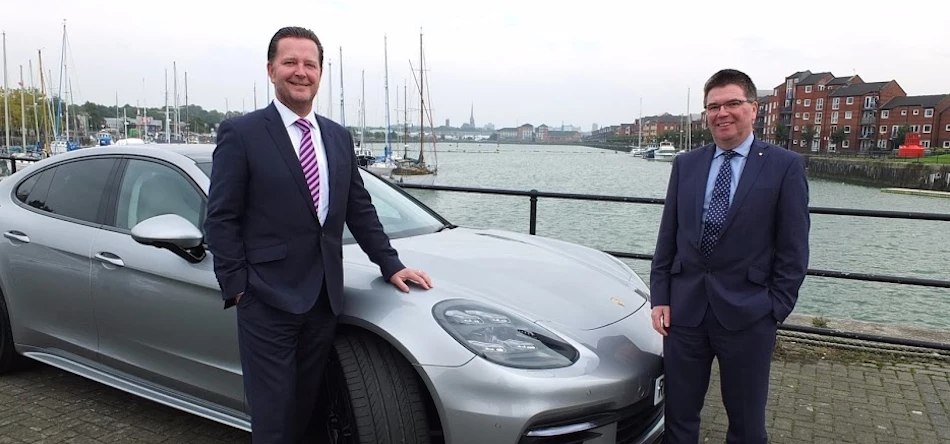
[[523, 61]]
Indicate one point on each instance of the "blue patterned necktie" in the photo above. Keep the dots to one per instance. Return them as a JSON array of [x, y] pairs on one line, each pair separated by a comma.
[[718, 204]]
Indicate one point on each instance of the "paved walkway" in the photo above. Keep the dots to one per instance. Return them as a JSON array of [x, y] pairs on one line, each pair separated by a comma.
[[818, 395]]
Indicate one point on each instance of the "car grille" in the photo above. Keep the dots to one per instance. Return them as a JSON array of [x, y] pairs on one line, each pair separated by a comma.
[[632, 422]]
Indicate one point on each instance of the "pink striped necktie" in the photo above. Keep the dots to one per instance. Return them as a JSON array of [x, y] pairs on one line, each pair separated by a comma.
[[308, 161]]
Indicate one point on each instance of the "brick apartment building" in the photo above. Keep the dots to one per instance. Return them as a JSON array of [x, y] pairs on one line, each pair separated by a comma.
[[813, 106], [854, 109], [928, 116]]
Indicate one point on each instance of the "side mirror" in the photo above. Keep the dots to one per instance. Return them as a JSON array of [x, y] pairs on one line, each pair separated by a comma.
[[172, 232]]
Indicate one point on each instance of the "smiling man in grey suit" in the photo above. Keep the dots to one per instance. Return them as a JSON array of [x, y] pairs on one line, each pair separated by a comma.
[[730, 258], [283, 183]]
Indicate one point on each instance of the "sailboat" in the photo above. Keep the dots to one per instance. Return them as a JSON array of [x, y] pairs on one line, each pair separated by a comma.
[[364, 156], [384, 165], [61, 142], [418, 171]]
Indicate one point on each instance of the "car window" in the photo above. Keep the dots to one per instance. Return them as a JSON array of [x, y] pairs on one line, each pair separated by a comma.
[[73, 189], [150, 189], [34, 190], [25, 187]]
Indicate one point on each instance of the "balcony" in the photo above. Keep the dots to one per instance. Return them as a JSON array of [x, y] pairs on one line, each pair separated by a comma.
[[869, 120], [872, 105], [785, 110]]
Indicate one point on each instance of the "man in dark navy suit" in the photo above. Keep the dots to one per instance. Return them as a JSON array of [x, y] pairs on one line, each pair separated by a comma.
[[731, 255], [283, 183]]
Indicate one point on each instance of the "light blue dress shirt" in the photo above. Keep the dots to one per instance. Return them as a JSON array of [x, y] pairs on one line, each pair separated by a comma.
[[737, 164]]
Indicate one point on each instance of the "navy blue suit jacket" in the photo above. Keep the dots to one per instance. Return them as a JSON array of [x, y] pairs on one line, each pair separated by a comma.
[[761, 258], [262, 227]]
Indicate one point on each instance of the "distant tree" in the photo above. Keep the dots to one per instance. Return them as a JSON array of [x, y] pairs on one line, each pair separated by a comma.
[[900, 136], [701, 136], [808, 135], [837, 137], [781, 134], [669, 135]]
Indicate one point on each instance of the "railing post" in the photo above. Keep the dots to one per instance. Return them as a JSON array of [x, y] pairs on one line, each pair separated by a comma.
[[533, 221], [12, 165]]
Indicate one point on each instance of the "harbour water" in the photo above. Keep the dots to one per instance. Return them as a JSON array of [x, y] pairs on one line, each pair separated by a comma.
[[841, 243]]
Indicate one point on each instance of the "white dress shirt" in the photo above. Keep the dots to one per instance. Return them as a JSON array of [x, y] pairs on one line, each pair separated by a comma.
[[289, 117]]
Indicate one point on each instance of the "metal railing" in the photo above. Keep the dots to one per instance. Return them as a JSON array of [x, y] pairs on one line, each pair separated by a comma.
[[13, 160], [534, 195]]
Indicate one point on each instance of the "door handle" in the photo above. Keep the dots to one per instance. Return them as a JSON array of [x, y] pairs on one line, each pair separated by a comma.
[[110, 259], [17, 236]]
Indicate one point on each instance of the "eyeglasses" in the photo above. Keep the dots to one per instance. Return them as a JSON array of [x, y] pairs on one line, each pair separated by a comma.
[[712, 108]]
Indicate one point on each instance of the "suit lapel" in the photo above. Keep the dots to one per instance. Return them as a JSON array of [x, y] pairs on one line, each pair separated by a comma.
[[758, 154], [333, 159], [699, 188], [278, 133]]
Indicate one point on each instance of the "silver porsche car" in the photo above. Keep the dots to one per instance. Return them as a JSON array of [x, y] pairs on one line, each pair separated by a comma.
[[104, 273]]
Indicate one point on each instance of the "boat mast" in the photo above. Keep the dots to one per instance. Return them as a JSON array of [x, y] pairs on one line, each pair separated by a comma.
[[22, 108], [362, 108], [342, 109], [422, 125], [6, 96], [387, 149], [36, 115], [168, 124]]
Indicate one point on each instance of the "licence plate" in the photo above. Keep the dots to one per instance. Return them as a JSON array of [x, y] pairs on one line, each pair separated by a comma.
[[659, 391]]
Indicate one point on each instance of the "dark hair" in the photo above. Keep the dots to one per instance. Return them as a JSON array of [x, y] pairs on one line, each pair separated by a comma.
[[731, 77], [293, 32]]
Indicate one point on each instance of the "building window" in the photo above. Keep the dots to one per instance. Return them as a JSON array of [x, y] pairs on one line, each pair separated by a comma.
[[797, 115], [849, 101], [883, 129], [807, 102], [796, 127], [835, 102], [885, 113], [903, 112], [805, 116], [819, 103], [818, 117], [795, 142], [847, 115], [916, 112], [834, 117], [925, 144], [847, 129], [808, 90], [915, 128], [927, 129], [946, 143], [929, 112], [844, 143]]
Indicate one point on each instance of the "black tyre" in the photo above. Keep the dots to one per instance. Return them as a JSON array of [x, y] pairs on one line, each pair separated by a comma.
[[9, 359], [373, 394]]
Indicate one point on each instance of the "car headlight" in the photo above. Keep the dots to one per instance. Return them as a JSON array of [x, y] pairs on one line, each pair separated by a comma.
[[503, 338]]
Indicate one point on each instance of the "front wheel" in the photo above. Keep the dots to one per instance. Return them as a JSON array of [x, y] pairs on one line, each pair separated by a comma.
[[373, 394]]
